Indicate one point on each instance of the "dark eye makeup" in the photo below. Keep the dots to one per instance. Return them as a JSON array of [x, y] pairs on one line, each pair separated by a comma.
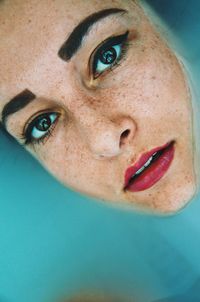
[[40, 128], [106, 56]]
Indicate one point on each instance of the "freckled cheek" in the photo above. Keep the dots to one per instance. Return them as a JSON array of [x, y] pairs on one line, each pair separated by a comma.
[[67, 157], [147, 92], [152, 66]]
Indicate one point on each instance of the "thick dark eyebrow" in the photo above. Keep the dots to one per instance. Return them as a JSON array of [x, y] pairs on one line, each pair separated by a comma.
[[17, 103], [73, 42]]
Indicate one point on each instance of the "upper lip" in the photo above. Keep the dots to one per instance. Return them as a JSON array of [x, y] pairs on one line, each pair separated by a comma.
[[130, 171]]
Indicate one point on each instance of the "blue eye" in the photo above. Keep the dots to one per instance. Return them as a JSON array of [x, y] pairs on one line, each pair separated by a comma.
[[40, 127], [108, 54]]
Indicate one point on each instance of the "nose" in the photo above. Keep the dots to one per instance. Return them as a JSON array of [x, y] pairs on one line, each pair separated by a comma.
[[108, 138]]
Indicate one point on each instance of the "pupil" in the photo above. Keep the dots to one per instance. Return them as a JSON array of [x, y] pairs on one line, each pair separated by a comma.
[[44, 124], [108, 56]]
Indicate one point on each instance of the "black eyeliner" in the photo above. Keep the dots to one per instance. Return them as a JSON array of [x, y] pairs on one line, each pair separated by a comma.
[[109, 42], [27, 136]]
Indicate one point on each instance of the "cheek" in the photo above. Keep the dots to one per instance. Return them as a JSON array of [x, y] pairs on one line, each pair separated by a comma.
[[67, 157], [155, 87], [63, 155]]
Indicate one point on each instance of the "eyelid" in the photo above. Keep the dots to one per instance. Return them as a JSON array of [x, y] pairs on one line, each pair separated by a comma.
[[31, 120], [110, 41], [33, 117]]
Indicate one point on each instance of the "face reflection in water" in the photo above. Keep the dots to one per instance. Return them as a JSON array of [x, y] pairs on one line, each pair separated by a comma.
[[94, 93]]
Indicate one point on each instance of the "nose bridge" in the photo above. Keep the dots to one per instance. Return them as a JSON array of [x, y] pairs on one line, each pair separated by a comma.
[[104, 139], [97, 129], [104, 134]]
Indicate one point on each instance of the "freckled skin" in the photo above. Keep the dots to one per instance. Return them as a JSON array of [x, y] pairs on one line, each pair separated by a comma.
[[146, 97]]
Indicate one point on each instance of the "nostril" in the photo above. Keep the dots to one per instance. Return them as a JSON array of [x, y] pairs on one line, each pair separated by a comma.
[[124, 136]]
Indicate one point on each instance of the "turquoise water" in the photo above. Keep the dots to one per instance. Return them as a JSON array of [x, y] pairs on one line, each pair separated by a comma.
[[54, 242]]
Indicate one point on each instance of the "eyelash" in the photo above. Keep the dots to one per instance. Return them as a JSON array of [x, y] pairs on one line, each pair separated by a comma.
[[27, 136], [109, 45]]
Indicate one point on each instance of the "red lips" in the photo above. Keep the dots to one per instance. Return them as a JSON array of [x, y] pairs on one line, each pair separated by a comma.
[[149, 168]]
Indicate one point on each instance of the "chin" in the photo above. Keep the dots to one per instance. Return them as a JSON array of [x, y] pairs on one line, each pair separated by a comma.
[[172, 204], [160, 202]]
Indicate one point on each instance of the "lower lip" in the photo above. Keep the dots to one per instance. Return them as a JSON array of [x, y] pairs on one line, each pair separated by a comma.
[[154, 172]]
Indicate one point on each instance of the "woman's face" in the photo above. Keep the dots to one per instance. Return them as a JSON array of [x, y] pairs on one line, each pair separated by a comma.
[[94, 93]]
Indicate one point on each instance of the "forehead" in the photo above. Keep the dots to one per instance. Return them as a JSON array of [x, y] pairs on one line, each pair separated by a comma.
[[32, 33], [33, 30]]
